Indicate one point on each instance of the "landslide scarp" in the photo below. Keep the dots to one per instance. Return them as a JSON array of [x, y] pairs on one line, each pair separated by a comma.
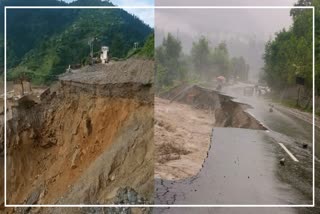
[[87, 140], [225, 111], [185, 117]]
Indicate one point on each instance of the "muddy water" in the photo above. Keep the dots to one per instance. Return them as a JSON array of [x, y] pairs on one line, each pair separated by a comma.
[[243, 167]]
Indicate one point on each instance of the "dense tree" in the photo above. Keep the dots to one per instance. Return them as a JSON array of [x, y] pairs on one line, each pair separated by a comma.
[[221, 61], [47, 41], [289, 55], [210, 63], [203, 64], [147, 51], [239, 68], [200, 54], [168, 61]]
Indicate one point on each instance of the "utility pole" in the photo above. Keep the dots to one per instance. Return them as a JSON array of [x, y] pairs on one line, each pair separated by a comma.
[[90, 43], [299, 81], [135, 45]]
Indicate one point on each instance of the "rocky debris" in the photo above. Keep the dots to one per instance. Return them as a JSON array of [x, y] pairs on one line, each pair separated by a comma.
[[75, 158], [124, 210], [110, 120], [282, 161], [227, 113], [32, 134], [33, 198], [112, 178], [26, 102], [199, 97], [49, 142], [129, 71], [170, 151], [115, 210], [1, 139], [124, 196], [125, 79], [128, 195], [44, 94], [87, 126]]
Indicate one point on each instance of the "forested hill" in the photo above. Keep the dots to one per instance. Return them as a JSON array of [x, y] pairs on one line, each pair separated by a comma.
[[43, 42], [289, 55]]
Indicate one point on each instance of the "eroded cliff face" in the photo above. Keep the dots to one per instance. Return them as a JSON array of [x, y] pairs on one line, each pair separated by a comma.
[[225, 111], [185, 116], [84, 143]]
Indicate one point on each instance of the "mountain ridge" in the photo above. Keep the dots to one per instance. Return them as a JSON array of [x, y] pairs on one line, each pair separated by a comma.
[[42, 43]]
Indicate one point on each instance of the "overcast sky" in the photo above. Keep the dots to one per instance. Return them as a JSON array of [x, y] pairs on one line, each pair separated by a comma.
[[240, 28], [271, 21], [261, 23], [225, 2]]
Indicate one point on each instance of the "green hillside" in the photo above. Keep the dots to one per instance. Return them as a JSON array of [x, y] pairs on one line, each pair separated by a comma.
[[146, 51], [42, 43]]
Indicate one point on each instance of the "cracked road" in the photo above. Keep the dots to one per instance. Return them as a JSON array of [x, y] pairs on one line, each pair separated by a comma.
[[242, 168]]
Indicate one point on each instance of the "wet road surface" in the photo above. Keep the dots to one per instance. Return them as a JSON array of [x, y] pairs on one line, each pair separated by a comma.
[[275, 121], [243, 167]]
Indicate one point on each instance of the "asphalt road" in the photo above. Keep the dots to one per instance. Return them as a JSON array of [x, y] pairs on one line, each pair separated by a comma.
[[243, 168]]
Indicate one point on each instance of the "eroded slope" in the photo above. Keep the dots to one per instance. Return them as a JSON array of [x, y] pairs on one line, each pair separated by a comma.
[[86, 141], [183, 129]]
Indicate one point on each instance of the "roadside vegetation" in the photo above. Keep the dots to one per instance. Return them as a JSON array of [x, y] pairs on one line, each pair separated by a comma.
[[146, 51], [288, 59]]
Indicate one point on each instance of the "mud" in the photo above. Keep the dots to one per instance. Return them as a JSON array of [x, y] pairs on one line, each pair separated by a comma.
[[184, 122], [228, 169], [85, 141], [227, 112], [181, 142]]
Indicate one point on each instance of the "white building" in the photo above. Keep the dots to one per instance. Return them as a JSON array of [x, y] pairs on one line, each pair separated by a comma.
[[104, 54]]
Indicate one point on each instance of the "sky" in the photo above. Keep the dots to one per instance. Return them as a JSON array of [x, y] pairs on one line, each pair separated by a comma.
[[146, 15], [245, 31], [261, 22]]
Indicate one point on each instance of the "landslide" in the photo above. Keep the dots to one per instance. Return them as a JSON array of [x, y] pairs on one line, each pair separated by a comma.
[[185, 116], [90, 141], [226, 111]]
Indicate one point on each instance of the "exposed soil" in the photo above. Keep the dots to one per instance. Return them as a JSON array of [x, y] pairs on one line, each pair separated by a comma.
[[182, 138], [83, 144], [184, 122]]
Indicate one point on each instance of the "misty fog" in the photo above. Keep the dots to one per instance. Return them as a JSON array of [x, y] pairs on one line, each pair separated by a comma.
[[245, 31]]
